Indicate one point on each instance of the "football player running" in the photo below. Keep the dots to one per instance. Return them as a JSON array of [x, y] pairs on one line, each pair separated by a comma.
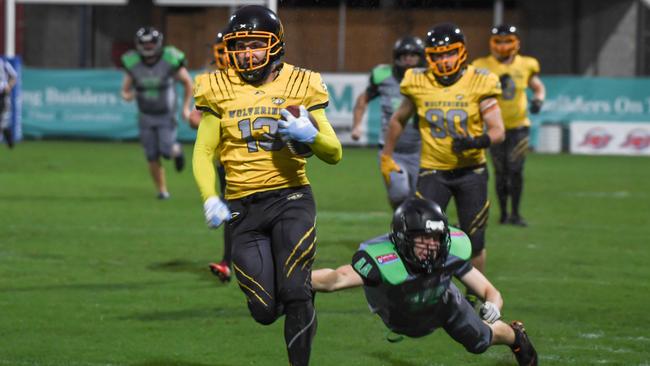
[[406, 276], [459, 118], [271, 210], [517, 73], [384, 82], [151, 72]]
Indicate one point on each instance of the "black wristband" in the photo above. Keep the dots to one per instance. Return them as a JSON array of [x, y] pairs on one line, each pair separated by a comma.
[[482, 141]]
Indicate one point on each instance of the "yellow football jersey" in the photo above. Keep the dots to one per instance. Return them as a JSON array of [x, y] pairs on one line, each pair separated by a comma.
[[514, 82], [254, 157], [451, 111]]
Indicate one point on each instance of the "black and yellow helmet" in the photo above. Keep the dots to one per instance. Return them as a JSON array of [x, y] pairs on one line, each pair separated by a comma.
[[219, 51], [504, 41], [254, 22], [445, 38]]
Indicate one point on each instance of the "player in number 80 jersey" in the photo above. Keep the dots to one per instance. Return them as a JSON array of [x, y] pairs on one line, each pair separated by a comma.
[[458, 118]]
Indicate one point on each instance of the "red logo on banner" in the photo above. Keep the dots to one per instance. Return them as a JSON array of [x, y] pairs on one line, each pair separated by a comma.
[[637, 139], [596, 138]]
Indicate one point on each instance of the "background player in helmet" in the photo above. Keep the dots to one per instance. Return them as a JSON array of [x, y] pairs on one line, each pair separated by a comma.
[[407, 282], [271, 207], [384, 82], [151, 72], [517, 73], [459, 117]]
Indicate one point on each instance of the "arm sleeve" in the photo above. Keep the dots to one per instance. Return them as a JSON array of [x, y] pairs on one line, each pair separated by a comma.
[[372, 90], [205, 150], [326, 145], [366, 268], [462, 269]]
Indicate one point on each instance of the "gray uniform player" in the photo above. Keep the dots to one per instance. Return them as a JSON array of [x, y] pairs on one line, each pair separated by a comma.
[[406, 276], [151, 71], [384, 83]]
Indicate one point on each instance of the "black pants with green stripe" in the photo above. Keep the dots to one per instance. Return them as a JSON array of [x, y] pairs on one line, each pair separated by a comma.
[[273, 237], [468, 186], [508, 159]]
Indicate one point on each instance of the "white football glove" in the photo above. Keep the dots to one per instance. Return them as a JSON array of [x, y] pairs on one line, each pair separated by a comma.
[[216, 212], [297, 128], [490, 312]]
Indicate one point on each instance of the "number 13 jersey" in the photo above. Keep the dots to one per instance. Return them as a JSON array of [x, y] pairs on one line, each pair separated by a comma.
[[251, 151], [446, 112]]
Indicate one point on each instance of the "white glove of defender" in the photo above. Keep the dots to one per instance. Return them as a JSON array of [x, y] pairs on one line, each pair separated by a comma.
[[490, 312], [216, 212]]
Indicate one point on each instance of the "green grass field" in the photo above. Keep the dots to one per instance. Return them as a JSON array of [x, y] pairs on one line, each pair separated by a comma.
[[94, 271]]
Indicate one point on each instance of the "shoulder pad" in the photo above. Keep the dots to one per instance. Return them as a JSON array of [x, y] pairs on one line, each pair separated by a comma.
[[381, 73], [173, 55], [130, 59], [388, 262], [461, 246]]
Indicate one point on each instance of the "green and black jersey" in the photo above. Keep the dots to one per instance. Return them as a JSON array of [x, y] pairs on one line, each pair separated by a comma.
[[407, 302], [154, 83]]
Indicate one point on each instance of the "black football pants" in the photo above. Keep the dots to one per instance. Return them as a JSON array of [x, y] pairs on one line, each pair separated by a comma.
[[273, 246]]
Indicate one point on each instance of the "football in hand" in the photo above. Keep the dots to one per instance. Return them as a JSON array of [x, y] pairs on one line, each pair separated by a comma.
[[296, 147]]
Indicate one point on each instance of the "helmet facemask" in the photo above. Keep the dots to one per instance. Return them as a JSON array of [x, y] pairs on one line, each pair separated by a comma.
[[148, 42], [504, 46], [445, 73], [246, 60], [426, 250]]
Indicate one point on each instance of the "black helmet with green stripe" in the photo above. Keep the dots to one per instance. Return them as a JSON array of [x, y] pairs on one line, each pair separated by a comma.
[[417, 217]]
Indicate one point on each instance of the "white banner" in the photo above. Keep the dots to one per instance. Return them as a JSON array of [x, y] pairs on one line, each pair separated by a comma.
[[607, 138], [343, 92]]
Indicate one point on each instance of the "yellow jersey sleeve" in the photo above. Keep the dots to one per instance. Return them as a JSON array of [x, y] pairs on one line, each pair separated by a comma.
[[326, 145], [205, 150], [491, 87], [481, 63], [533, 65], [407, 84], [316, 96]]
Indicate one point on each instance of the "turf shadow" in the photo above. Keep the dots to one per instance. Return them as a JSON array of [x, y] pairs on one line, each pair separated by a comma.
[[200, 269], [177, 363]]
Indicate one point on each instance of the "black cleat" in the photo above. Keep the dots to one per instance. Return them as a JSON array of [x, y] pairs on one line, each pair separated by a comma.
[[163, 196], [522, 348], [517, 221], [179, 162], [503, 219]]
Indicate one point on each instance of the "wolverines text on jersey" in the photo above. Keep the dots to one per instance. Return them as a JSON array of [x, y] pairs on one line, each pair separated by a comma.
[[254, 156], [514, 82], [446, 112]]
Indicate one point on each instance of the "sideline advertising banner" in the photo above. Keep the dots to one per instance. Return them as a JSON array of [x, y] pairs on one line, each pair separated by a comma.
[[81, 104], [618, 101], [343, 91], [607, 138]]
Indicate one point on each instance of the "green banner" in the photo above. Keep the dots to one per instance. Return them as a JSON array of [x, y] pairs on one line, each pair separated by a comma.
[[593, 99], [80, 103], [87, 104]]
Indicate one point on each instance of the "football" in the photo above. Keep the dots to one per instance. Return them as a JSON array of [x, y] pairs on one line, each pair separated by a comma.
[[296, 147]]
